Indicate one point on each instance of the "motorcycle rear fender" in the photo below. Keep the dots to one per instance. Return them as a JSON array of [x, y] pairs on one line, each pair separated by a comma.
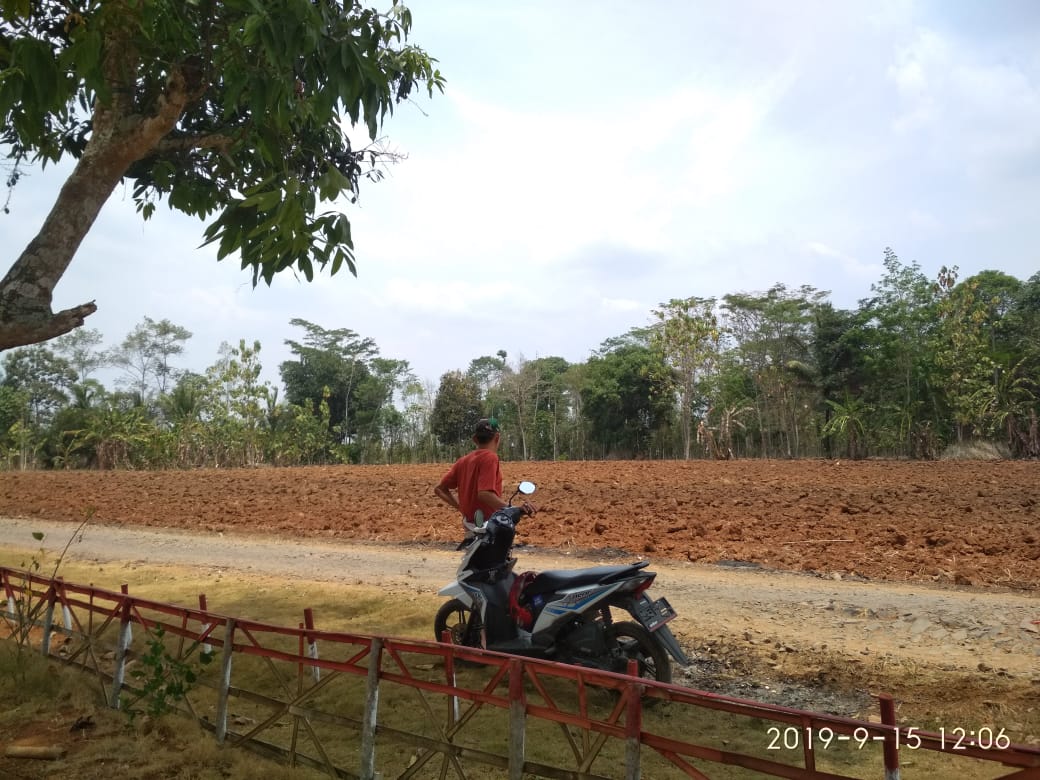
[[667, 639], [663, 634]]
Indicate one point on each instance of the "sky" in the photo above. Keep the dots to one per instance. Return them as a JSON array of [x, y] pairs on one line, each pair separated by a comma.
[[593, 159]]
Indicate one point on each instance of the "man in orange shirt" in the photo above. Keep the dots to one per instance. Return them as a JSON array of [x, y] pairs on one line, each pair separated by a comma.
[[476, 478]]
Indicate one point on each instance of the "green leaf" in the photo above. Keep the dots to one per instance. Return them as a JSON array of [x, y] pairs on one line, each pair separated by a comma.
[[332, 183], [251, 30], [16, 9], [38, 535], [263, 201]]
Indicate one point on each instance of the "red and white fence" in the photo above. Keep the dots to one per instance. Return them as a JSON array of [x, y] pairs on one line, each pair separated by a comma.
[[378, 707]]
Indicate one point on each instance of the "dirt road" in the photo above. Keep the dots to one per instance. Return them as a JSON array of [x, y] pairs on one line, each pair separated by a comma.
[[800, 639]]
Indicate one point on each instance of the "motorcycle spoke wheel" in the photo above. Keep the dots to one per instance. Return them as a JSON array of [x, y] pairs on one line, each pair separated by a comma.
[[454, 617], [633, 642]]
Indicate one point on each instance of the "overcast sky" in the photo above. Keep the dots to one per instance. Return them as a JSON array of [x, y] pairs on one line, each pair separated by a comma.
[[590, 160]]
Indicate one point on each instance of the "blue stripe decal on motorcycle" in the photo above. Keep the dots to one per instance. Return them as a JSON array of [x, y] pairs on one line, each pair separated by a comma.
[[572, 607]]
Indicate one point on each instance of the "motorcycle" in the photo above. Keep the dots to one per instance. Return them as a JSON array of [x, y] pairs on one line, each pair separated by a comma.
[[562, 616]]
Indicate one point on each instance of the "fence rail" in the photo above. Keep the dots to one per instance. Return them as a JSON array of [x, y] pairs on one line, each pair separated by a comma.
[[370, 707]]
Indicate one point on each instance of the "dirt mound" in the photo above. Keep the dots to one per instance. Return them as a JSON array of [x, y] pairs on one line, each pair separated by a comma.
[[957, 522]]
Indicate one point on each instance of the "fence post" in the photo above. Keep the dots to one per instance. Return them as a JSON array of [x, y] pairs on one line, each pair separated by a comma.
[[223, 691], [301, 649], [12, 611], [207, 648], [48, 620], [888, 717], [449, 672], [371, 717], [66, 613], [312, 643], [517, 719], [633, 724], [122, 646], [125, 590]]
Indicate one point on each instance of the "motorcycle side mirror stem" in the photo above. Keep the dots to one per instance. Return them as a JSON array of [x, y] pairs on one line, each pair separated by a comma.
[[525, 487]]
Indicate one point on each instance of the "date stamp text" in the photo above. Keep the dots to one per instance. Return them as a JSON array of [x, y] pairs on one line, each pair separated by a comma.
[[909, 738]]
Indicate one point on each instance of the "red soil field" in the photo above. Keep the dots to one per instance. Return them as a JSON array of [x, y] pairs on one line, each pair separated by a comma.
[[973, 523]]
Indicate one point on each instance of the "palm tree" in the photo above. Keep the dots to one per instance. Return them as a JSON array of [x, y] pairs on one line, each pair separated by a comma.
[[849, 420], [1006, 405]]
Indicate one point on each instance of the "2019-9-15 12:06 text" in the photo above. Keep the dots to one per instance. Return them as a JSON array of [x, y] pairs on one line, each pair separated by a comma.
[[825, 738]]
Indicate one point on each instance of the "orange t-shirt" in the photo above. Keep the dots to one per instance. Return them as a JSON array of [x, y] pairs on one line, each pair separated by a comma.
[[472, 473]]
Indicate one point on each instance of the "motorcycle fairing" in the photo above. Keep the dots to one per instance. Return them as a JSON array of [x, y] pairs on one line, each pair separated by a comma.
[[568, 604], [491, 601]]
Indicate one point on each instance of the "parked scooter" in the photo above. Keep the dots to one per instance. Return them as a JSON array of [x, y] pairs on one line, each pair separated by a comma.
[[561, 616]]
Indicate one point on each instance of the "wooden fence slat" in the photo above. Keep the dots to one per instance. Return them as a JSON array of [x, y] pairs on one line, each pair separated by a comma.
[[312, 643], [370, 722], [633, 725], [122, 647], [225, 680], [48, 621], [517, 720]]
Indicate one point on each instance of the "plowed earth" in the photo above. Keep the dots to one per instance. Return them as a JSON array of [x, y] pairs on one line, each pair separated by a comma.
[[957, 522], [926, 581]]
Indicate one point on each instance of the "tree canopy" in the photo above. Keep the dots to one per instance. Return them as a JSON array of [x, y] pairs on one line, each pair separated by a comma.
[[921, 369], [239, 112]]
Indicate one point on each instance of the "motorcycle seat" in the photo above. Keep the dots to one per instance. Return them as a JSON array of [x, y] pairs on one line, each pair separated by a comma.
[[549, 581]]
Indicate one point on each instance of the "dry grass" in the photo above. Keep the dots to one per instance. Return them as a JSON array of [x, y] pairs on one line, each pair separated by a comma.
[[44, 704], [929, 696]]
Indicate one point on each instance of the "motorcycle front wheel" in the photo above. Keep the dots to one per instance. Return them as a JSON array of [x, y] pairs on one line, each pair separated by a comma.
[[635, 643], [454, 617]]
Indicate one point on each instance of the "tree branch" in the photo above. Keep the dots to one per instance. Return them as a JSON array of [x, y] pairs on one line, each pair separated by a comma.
[[140, 134], [219, 141], [41, 326], [119, 65]]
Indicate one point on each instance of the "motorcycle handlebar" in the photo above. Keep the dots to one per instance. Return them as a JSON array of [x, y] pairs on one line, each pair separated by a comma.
[[513, 512]]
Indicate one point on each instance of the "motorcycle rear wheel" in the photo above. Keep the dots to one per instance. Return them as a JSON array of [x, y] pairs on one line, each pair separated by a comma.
[[636, 643], [454, 617]]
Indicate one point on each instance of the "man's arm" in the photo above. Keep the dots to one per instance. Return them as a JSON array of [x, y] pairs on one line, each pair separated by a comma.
[[447, 497], [491, 498]]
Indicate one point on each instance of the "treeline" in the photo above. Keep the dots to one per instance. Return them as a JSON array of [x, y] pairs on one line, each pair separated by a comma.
[[919, 365]]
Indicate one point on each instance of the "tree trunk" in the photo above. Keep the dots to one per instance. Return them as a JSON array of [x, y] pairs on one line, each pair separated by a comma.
[[686, 414], [118, 138], [28, 288]]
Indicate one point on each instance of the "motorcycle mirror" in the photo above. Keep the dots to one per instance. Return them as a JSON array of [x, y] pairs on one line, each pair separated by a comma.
[[527, 488]]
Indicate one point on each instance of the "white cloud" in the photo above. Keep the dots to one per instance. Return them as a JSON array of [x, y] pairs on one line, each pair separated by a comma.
[[622, 305], [819, 248], [985, 113], [924, 220], [455, 297], [585, 166]]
